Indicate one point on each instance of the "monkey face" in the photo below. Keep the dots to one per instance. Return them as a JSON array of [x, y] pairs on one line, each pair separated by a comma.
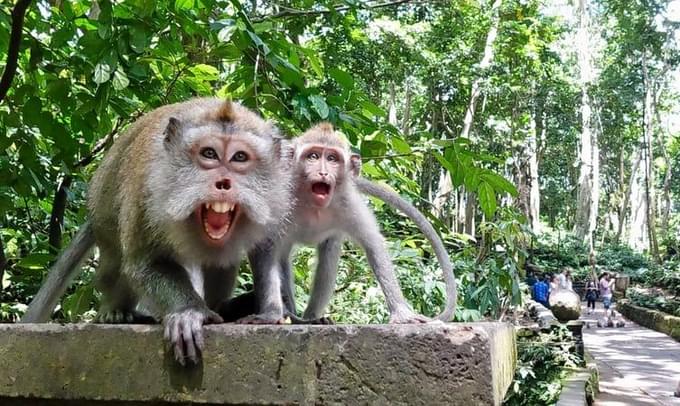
[[217, 181], [324, 169]]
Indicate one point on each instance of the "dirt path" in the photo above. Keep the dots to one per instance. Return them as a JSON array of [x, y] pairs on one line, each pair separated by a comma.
[[638, 366]]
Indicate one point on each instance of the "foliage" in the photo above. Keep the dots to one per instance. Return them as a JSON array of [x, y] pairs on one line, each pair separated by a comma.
[[654, 300], [543, 363], [554, 250], [88, 69]]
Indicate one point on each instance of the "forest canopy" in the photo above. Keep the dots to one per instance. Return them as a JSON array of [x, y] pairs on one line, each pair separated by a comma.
[[517, 126]]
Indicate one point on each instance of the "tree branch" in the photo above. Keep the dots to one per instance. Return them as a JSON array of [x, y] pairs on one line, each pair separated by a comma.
[[14, 43], [291, 12]]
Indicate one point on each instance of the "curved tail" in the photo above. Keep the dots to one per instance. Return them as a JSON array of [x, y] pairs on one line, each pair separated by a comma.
[[394, 200], [60, 276]]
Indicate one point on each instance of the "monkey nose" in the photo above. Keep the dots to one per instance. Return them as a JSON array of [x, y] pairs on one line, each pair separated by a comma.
[[224, 184], [323, 174]]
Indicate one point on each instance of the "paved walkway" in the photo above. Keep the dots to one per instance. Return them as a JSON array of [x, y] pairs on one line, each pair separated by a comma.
[[638, 366]]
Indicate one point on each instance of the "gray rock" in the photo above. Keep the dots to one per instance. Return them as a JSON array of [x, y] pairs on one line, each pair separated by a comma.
[[565, 304]]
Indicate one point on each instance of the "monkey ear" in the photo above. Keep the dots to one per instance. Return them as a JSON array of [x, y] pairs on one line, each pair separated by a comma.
[[173, 133], [355, 164]]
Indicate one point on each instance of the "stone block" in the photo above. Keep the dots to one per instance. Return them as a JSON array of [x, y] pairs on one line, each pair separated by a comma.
[[457, 364]]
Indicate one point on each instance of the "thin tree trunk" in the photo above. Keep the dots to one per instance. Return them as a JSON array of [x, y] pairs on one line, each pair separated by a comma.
[[445, 184], [57, 215], [648, 129], [3, 262], [627, 193], [588, 191], [406, 119], [392, 112]]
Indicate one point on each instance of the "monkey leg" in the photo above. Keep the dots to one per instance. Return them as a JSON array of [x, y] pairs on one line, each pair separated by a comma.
[[288, 284], [218, 285], [267, 280], [325, 276], [118, 298], [238, 307]]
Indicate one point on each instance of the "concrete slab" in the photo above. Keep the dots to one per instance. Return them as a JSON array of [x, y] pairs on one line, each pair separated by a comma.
[[458, 364]]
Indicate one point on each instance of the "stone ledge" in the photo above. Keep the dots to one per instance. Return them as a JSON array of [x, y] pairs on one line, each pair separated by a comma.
[[654, 319], [460, 364]]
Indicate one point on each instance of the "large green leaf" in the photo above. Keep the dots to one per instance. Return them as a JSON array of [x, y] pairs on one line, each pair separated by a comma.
[[487, 199]]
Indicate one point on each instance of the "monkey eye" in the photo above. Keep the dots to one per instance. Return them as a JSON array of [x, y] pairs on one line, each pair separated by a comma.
[[313, 156], [240, 156], [332, 158], [209, 153]]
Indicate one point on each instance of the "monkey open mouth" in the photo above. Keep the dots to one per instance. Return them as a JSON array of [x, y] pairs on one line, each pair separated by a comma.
[[321, 192], [217, 218]]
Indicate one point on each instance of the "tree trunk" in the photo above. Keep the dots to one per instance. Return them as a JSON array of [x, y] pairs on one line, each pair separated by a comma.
[[627, 192], [392, 112], [445, 184], [57, 216], [3, 262], [589, 179], [648, 152], [406, 119]]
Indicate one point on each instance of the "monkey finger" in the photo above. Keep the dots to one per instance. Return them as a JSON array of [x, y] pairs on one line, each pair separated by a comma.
[[213, 318], [197, 328], [188, 336]]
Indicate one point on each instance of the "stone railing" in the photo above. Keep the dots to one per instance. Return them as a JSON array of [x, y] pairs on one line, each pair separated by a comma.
[[78, 364], [649, 318]]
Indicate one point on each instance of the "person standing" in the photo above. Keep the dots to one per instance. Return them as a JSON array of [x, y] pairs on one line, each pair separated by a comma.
[[606, 292], [591, 294], [540, 292]]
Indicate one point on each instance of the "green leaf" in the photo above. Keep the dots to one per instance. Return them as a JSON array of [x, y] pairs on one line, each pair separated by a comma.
[[499, 183], [400, 145], [343, 78], [205, 72], [35, 261], [487, 199], [184, 4], [102, 73], [138, 39], [319, 105], [120, 80], [373, 109], [373, 149]]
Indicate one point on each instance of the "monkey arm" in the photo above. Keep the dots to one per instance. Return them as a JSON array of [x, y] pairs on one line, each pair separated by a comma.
[[324, 277], [60, 276], [167, 286], [394, 200]]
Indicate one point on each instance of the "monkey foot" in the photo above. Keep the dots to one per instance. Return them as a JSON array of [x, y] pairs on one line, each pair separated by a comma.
[[184, 332], [123, 317], [408, 318], [320, 320], [261, 319]]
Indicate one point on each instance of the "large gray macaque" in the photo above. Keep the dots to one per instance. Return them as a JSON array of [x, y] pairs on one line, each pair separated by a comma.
[[173, 208], [329, 207]]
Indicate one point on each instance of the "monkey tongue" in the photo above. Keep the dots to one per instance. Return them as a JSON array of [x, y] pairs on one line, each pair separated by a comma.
[[216, 224], [322, 193]]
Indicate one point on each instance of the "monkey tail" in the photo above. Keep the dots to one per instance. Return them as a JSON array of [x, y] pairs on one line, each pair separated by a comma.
[[394, 200], [60, 276]]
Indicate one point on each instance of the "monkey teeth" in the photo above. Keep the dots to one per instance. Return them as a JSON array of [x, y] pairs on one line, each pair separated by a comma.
[[219, 207], [216, 218]]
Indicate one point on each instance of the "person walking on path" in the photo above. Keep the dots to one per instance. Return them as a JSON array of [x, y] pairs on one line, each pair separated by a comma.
[[606, 292], [591, 295]]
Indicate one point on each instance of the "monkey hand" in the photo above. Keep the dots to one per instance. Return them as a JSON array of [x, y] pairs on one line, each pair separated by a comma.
[[184, 332], [264, 318], [407, 316]]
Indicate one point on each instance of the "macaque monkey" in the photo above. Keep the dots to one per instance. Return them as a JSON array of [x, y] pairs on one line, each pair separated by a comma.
[[175, 205], [329, 206]]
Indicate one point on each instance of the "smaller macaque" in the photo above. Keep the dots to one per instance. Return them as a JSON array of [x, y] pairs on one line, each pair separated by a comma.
[[330, 207]]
